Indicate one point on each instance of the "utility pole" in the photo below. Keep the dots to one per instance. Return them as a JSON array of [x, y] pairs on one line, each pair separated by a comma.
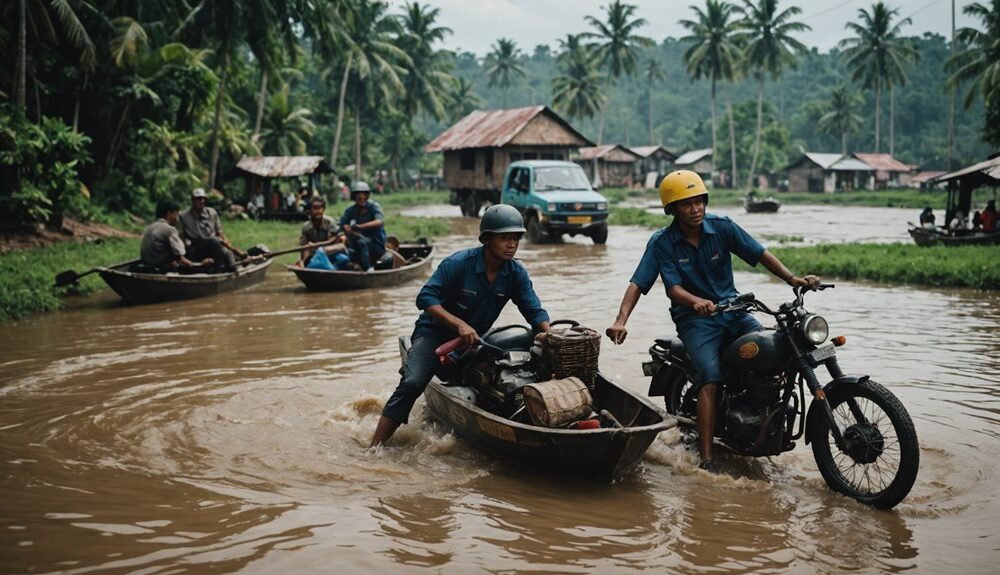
[[951, 95]]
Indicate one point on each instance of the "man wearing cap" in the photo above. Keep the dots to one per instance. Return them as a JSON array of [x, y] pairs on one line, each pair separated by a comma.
[[201, 230], [363, 223], [162, 249], [462, 299], [319, 228], [693, 258]]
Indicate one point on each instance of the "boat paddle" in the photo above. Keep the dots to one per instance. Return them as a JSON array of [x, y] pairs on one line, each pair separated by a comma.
[[70, 277], [260, 254]]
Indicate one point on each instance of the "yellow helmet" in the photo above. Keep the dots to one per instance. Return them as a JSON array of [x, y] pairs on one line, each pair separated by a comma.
[[681, 185]]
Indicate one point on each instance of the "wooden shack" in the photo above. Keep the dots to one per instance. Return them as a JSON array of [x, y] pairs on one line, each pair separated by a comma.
[[478, 149], [272, 182], [962, 183], [655, 160], [698, 161], [608, 165], [827, 173], [888, 171]]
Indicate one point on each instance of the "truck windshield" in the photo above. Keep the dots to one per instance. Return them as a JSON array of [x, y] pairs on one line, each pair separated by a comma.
[[561, 178]]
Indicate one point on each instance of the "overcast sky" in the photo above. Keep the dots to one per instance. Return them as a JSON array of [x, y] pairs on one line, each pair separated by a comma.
[[478, 23]]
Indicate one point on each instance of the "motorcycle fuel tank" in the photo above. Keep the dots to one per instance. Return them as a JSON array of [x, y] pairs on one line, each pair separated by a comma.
[[758, 351]]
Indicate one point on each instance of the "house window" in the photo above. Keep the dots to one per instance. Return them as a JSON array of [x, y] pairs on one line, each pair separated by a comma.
[[467, 160]]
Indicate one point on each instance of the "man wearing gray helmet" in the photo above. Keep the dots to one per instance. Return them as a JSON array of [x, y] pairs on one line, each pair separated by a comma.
[[462, 299], [363, 223]]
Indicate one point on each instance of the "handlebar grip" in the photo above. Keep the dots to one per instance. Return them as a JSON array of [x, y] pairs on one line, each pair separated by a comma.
[[448, 347], [825, 286]]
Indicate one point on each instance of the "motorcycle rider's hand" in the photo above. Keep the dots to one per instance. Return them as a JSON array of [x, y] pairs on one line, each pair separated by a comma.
[[809, 281], [468, 335], [704, 307], [617, 333]]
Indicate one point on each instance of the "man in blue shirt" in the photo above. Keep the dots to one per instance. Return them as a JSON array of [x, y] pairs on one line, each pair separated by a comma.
[[363, 223], [462, 299], [693, 258]]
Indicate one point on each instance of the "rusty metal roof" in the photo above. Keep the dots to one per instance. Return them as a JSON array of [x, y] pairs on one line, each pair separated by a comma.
[[283, 166], [606, 150], [492, 129], [990, 168], [647, 151], [882, 162], [693, 156]]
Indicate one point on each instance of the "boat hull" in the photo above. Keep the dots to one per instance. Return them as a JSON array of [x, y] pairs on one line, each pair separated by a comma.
[[927, 238], [146, 288], [604, 454], [343, 280], [762, 206]]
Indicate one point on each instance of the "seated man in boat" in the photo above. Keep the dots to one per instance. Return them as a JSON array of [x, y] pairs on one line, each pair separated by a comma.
[[363, 224], [162, 249], [462, 299], [201, 230], [988, 218], [693, 258], [927, 218], [318, 228]]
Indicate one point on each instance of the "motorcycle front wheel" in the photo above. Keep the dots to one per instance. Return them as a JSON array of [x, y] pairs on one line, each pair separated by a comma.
[[880, 456]]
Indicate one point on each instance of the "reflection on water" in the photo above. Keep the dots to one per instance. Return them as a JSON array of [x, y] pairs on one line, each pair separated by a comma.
[[229, 434]]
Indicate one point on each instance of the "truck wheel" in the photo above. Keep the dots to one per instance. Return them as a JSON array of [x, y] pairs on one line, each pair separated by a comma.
[[600, 235], [470, 206], [536, 233]]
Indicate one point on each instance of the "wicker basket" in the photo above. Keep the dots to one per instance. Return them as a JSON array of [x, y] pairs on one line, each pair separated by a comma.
[[573, 352]]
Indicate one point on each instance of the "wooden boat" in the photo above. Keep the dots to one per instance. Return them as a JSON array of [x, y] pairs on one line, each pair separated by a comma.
[[419, 255], [143, 288], [754, 205], [602, 453], [939, 237]]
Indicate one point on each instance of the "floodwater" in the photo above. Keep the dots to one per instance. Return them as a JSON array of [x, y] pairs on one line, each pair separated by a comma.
[[229, 435]]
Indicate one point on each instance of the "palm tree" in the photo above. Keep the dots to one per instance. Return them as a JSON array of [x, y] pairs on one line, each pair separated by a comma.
[[286, 130], [654, 74], [840, 117], [714, 54], [768, 48], [979, 62], [462, 99], [617, 46], [573, 89], [426, 81], [877, 55], [503, 63]]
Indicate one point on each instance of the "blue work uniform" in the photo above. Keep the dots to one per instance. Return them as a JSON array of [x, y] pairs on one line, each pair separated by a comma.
[[367, 247], [461, 287], [705, 271]]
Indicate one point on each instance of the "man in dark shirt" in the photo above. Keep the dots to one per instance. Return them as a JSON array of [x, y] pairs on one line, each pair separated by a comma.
[[693, 258], [201, 230], [462, 299], [162, 249], [364, 225], [319, 228]]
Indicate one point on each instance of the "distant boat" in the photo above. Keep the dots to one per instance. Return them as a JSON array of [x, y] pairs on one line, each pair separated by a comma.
[[755, 205], [937, 237], [417, 256], [144, 288]]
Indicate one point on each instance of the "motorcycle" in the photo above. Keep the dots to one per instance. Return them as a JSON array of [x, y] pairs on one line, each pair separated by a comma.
[[862, 437]]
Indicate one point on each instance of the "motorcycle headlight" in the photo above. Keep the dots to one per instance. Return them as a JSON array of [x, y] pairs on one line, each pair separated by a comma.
[[815, 328]]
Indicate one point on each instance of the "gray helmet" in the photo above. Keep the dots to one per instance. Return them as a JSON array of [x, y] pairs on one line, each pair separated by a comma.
[[501, 219], [358, 186]]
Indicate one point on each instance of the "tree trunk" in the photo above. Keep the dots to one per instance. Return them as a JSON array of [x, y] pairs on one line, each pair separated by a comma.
[[260, 105], [843, 142], [22, 58], [878, 109], [732, 139], [357, 140], [116, 139], [340, 112], [892, 119], [715, 143], [217, 121], [760, 123], [607, 98], [650, 103]]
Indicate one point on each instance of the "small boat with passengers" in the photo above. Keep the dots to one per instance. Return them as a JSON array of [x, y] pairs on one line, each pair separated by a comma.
[[754, 204], [926, 237], [415, 262], [136, 287]]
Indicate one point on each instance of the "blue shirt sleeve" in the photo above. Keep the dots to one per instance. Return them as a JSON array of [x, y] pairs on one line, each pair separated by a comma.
[[654, 263], [437, 287], [524, 297], [743, 244], [376, 211], [346, 218]]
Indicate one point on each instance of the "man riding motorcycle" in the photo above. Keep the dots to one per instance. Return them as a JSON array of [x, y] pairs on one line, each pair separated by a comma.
[[693, 258]]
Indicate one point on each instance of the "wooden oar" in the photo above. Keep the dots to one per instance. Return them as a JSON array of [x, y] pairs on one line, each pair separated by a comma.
[[265, 255], [70, 277]]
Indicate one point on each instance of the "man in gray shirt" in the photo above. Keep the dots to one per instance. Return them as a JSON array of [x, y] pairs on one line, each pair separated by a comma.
[[162, 249], [201, 230]]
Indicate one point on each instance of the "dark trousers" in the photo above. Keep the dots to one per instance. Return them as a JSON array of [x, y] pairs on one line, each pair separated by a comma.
[[364, 251], [225, 260], [420, 366]]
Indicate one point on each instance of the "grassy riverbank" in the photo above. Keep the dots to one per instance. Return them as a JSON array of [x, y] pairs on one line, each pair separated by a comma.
[[901, 198], [963, 266], [27, 276]]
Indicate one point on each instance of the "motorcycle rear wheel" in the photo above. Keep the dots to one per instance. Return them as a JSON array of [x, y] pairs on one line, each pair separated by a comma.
[[881, 456]]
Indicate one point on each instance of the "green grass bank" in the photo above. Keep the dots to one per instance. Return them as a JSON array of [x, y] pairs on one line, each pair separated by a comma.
[[900, 198]]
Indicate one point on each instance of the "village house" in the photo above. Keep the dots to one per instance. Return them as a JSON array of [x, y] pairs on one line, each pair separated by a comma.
[[827, 173], [698, 161], [608, 165], [654, 162], [480, 146], [889, 172]]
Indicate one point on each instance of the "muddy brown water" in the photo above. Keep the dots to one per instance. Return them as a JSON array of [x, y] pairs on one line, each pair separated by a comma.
[[228, 435]]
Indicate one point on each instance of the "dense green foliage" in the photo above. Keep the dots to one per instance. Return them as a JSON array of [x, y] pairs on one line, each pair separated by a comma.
[[963, 266]]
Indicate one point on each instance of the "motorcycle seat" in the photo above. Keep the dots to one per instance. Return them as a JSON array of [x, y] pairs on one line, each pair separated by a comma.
[[674, 345]]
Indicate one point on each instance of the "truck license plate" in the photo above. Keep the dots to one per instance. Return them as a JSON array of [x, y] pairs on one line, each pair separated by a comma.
[[578, 219]]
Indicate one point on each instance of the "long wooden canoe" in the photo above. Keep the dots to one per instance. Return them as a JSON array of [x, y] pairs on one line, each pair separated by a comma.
[[341, 280], [925, 238], [144, 288]]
